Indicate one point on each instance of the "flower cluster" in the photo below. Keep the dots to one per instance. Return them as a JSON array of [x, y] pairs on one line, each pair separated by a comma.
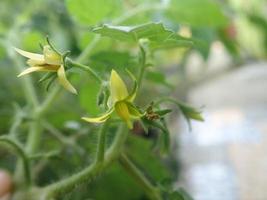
[[120, 100]]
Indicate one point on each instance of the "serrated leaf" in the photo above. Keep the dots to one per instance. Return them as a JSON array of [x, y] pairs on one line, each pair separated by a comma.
[[155, 32]]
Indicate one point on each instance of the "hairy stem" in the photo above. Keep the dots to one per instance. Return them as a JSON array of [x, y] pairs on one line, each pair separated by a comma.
[[101, 143], [151, 191], [24, 159], [91, 171]]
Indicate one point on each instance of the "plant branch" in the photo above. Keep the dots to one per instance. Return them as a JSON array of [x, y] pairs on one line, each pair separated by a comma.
[[140, 178], [85, 68], [19, 149], [92, 170], [83, 56], [101, 143]]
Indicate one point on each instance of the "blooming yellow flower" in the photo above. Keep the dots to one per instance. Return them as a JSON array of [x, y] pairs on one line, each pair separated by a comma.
[[49, 61], [120, 101]]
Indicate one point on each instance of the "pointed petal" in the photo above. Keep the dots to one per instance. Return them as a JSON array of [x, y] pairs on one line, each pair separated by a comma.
[[30, 55], [118, 88], [100, 119], [34, 69], [123, 112], [63, 80], [34, 63], [51, 57]]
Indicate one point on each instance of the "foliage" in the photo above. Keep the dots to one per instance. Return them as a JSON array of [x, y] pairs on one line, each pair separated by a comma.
[[59, 156]]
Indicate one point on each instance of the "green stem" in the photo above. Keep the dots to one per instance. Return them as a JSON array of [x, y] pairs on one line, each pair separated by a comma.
[[84, 55], [85, 68], [27, 85], [67, 184], [16, 123], [19, 149], [143, 66], [34, 135], [48, 100], [168, 99], [101, 143], [152, 192]]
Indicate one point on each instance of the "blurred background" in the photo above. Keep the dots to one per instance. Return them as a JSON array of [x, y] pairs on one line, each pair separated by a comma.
[[224, 74]]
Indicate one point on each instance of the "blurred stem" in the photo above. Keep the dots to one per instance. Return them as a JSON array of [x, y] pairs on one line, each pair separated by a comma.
[[16, 123], [83, 56], [90, 172], [48, 100], [33, 140], [101, 142], [19, 150], [143, 65], [151, 191], [27, 85]]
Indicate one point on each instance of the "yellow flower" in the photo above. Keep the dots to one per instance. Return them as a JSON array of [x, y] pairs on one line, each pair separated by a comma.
[[49, 61], [119, 101]]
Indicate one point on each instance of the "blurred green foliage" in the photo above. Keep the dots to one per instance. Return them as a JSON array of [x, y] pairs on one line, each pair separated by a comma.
[[72, 25]]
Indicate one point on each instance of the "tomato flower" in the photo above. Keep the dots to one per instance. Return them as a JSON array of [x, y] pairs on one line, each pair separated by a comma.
[[119, 101], [49, 61]]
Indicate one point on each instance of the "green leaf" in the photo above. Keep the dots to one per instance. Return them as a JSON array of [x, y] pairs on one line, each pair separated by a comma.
[[90, 12], [197, 13], [155, 32], [203, 39]]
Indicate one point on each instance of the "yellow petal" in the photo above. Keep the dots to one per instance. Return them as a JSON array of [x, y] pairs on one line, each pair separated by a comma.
[[123, 112], [118, 88], [33, 56], [40, 68], [100, 119], [51, 57], [34, 63], [63, 80]]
